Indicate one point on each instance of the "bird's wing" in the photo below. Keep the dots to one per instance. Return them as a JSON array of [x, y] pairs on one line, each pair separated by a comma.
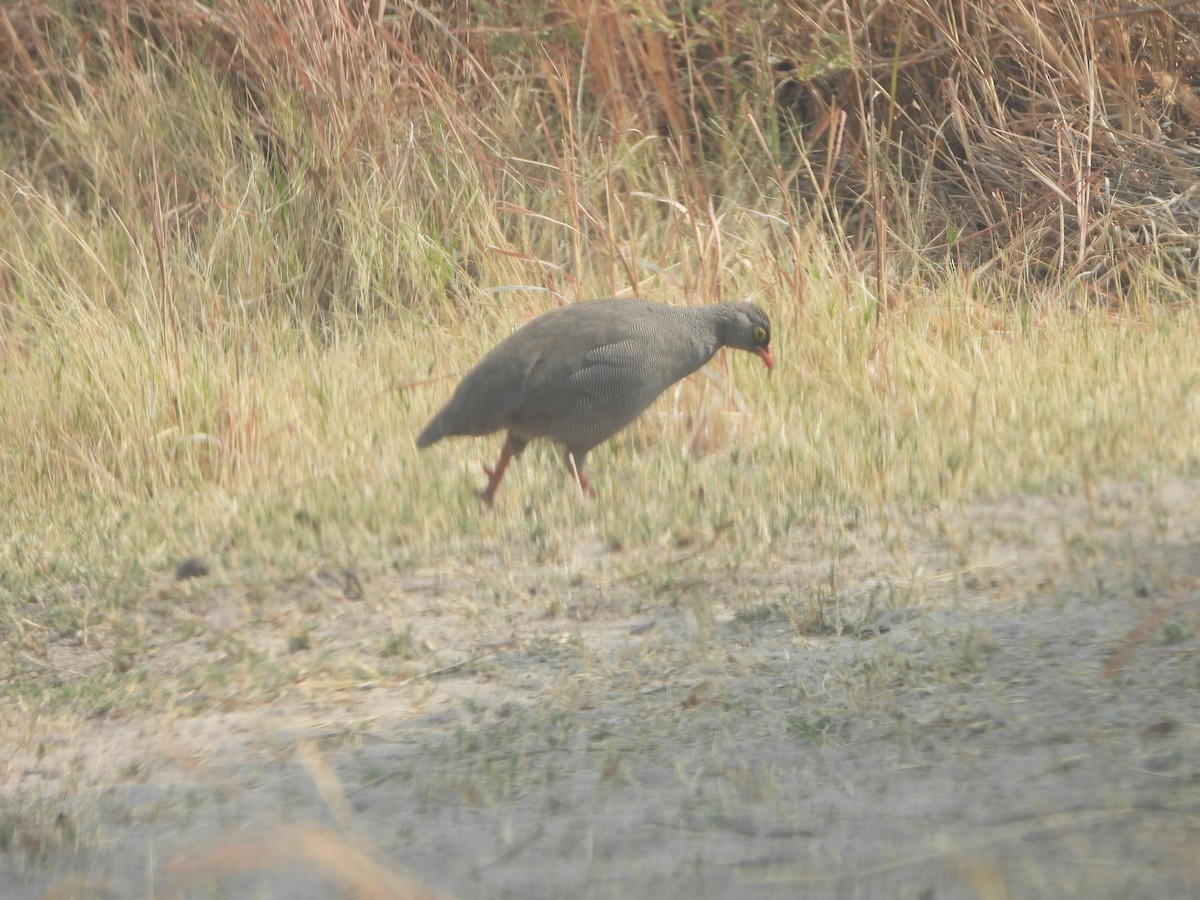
[[613, 387]]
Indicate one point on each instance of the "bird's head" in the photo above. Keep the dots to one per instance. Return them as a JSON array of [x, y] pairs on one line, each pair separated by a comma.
[[749, 329]]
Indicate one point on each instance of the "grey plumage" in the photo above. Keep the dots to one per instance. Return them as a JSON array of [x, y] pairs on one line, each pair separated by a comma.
[[580, 373]]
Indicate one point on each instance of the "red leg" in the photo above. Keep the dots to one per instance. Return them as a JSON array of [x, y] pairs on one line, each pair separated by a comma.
[[488, 494], [577, 471]]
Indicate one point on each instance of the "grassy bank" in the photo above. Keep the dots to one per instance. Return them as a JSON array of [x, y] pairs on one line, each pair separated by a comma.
[[257, 443]]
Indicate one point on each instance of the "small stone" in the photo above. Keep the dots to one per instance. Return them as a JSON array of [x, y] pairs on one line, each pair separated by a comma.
[[192, 567]]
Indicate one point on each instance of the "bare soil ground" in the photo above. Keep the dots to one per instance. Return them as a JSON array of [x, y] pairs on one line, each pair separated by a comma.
[[1002, 701]]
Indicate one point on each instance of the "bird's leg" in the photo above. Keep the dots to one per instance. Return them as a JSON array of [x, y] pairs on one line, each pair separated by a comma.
[[576, 467], [488, 494], [512, 447]]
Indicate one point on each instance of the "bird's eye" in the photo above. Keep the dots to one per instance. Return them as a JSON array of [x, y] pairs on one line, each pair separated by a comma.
[[760, 334]]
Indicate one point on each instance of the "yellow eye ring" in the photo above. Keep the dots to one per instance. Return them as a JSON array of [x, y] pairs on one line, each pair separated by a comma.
[[760, 334]]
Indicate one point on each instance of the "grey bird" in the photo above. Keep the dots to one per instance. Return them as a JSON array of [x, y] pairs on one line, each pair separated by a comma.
[[580, 373]]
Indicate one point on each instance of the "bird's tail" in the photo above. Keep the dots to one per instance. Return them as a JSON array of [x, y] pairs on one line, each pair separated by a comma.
[[433, 433]]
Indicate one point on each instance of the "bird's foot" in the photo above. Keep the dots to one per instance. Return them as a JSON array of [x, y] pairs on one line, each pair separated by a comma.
[[488, 494]]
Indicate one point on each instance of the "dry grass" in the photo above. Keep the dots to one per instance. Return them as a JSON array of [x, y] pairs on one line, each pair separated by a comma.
[[225, 317]]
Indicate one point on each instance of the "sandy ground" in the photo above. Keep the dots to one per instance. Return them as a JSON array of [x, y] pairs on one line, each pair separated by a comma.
[[999, 702]]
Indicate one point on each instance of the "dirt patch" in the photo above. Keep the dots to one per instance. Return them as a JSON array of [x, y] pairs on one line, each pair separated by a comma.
[[1003, 701]]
